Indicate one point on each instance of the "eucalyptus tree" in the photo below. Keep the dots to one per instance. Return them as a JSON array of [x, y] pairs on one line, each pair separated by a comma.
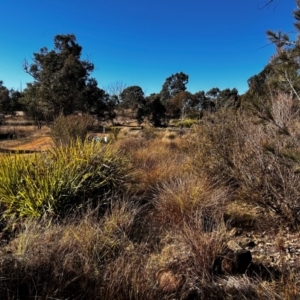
[[61, 79], [204, 102], [173, 85], [181, 105]]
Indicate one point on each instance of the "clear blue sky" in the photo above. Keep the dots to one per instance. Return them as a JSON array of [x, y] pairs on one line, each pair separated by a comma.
[[218, 43]]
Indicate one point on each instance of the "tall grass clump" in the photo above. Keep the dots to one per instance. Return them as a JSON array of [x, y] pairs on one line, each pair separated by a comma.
[[64, 177], [189, 199], [69, 128], [189, 211], [156, 161]]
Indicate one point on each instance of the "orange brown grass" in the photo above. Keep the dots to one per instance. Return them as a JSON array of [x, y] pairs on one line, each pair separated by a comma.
[[155, 161]]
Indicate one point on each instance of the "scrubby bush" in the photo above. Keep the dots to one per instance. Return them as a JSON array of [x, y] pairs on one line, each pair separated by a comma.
[[258, 160], [69, 128], [55, 181], [213, 143]]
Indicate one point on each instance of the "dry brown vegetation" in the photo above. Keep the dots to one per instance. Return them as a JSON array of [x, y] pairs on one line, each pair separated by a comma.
[[200, 205]]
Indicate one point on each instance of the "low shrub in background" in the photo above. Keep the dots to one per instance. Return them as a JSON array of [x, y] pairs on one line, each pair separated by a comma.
[[69, 128], [64, 177], [149, 133], [187, 122], [114, 133]]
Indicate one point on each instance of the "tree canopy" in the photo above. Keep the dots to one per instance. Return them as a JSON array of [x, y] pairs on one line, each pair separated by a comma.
[[133, 98], [173, 85], [9, 99], [4, 97], [155, 110], [62, 82]]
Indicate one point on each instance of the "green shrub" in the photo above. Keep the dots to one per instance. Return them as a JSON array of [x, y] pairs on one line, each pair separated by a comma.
[[187, 123], [63, 178], [69, 128]]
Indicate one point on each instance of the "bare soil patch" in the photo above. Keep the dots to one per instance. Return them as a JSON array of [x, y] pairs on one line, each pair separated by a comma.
[[36, 144], [26, 138]]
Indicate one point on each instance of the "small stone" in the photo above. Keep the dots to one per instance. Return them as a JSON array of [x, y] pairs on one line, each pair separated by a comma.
[[246, 242], [235, 232], [234, 260]]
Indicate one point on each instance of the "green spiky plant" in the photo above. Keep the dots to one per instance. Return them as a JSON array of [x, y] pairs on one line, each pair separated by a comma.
[[63, 178]]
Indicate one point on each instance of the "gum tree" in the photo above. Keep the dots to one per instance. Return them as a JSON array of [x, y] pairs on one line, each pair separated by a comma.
[[62, 82]]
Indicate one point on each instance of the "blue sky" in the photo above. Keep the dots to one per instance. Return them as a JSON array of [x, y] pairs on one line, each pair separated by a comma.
[[218, 43]]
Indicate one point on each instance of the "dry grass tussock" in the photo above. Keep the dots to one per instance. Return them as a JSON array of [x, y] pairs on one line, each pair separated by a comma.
[[74, 253], [155, 161], [190, 199]]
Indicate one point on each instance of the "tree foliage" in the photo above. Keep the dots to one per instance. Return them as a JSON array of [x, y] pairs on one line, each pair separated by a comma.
[[213, 93], [221, 98], [62, 82], [15, 103], [228, 98], [173, 85], [98, 102], [4, 97], [156, 111], [258, 84], [205, 103], [286, 63], [34, 105], [181, 105], [133, 98]]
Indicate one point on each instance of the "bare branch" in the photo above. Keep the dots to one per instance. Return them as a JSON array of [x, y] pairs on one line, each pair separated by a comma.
[[267, 4], [115, 88]]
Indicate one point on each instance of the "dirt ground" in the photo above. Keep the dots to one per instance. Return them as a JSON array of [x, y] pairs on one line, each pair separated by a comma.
[[31, 139]]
